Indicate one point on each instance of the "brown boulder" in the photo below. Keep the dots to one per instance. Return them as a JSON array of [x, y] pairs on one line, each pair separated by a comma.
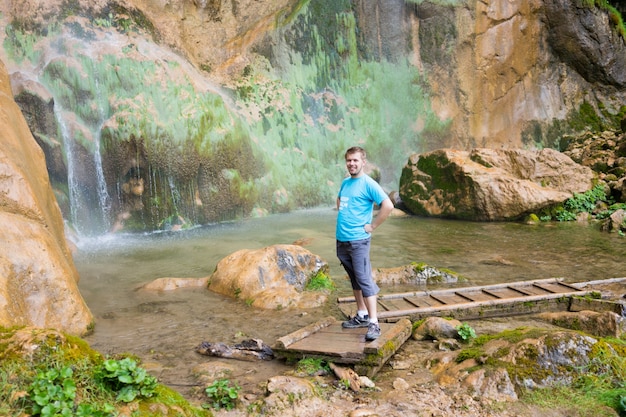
[[38, 279], [273, 277], [599, 324], [490, 184]]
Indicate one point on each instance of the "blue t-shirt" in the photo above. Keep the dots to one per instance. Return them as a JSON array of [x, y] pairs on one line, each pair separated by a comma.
[[356, 205]]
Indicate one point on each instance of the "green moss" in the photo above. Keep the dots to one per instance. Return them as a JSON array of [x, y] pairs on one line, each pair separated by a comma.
[[472, 352], [419, 266]]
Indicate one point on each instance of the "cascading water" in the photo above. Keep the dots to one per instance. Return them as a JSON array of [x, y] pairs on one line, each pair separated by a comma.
[[103, 195], [88, 216], [76, 201]]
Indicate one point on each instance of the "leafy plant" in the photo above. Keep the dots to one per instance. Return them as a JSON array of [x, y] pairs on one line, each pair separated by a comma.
[[128, 379], [53, 392], [319, 282], [466, 332], [222, 394], [581, 203]]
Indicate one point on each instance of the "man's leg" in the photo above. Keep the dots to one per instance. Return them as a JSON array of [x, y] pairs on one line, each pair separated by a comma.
[[360, 301], [371, 305], [360, 319]]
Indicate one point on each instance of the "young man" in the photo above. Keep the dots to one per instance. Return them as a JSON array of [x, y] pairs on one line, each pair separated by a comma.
[[355, 205]]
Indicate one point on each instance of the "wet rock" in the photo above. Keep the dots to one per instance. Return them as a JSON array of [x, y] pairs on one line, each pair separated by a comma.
[[490, 184], [416, 273], [437, 328], [494, 385], [400, 384], [38, 279], [207, 372], [282, 390], [605, 324], [549, 359], [584, 38], [616, 221], [169, 284], [272, 277]]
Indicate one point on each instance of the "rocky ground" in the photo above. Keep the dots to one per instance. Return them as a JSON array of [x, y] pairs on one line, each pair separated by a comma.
[[406, 386]]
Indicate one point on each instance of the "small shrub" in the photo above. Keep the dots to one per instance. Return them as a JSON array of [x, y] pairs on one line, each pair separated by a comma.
[[53, 392], [580, 203], [320, 282], [222, 394], [128, 379], [466, 332]]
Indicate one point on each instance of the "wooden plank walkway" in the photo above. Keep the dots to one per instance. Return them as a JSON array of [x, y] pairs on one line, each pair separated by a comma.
[[498, 300], [326, 339]]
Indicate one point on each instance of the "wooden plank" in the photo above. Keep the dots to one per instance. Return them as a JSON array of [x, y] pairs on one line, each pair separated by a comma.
[[410, 312], [412, 302], [594, 304], [615, 280], [465, 296], [520, 290], [499, 310], [479, 296], [491, 293], [452, 290], [380, 350], [336, 344], [300, 334]]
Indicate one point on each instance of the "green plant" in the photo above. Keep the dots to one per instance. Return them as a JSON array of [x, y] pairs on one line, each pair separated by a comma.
[[312, 366], [223, 394], [466, 332], [580, 203], [319, 282], [53, 392], [127, 379]]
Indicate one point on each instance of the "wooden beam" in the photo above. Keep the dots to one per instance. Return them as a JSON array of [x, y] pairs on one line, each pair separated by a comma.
[[489, 303]]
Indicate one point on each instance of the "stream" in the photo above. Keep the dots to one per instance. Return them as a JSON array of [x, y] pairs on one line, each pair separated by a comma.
[[163, 328]]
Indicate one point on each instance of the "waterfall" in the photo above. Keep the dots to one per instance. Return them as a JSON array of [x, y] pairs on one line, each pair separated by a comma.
[[89, 202], [74, 191], [103, 195]]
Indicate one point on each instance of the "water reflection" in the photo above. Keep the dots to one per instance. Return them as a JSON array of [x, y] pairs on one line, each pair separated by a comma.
[[165, 327]]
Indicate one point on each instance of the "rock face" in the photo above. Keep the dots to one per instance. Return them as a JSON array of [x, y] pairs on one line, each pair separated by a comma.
[[38, 280], [583, 37], [503, 71], [272, 277], [487, 184]]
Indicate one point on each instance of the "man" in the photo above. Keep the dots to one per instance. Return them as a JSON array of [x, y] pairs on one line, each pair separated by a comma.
[[355, 205]]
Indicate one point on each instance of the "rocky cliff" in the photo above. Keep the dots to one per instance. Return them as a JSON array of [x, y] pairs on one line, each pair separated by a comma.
[[38, 280], [198, 111]]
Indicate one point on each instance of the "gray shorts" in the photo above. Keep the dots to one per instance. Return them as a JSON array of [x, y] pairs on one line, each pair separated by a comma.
[[355, 259]]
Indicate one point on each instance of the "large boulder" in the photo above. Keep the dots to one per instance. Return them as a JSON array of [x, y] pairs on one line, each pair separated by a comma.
[[38, 279], [490, 184], [272, 277]]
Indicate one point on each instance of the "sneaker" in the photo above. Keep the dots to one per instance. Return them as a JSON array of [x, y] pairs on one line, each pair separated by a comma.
[[373, 331], [356, 321]]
